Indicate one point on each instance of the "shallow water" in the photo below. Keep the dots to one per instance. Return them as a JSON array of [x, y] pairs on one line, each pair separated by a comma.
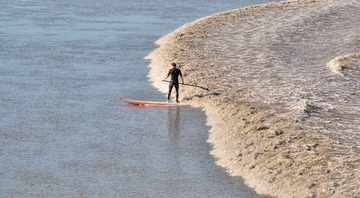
[[64, 133]]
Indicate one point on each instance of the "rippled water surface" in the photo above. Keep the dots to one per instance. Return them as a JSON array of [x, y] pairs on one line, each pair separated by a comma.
[[63, 133]]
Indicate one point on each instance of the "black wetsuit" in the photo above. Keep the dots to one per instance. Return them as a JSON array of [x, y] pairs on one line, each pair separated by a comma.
[[174, 82]]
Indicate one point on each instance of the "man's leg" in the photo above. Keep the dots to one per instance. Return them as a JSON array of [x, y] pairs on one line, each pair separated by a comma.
[[177, 91], [170, 89]]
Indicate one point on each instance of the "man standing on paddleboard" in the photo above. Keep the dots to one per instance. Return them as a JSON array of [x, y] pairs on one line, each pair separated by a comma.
[[174, 72]]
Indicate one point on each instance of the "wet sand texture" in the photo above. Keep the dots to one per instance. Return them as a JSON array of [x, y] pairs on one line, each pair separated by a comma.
[[283, 105]]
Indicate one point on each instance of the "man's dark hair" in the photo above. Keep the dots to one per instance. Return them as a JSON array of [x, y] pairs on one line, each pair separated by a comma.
[[173, 64]]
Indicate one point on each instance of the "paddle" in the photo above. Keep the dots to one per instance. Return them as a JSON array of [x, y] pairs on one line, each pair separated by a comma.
[[201, 87]]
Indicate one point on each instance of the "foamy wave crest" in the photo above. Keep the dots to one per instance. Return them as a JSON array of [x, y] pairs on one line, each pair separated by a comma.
[[346, 65], [280, 121]]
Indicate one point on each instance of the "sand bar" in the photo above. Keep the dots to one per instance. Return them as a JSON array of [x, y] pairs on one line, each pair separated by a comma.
[[283, 101]]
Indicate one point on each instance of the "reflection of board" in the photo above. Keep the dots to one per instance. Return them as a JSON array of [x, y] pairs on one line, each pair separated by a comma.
[[147, 103]]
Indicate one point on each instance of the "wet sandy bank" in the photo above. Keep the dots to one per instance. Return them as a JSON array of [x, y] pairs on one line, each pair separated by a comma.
[[278, 75]]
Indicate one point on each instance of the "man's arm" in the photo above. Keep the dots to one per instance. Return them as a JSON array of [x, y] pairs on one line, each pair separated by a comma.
[[167, 75], [181, 76]]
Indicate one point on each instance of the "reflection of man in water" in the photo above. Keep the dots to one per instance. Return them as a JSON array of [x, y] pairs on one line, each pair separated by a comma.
[[174, 82], [174, 124]]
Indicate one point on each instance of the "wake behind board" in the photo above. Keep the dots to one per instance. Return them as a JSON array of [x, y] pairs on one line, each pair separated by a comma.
[[147, 103]]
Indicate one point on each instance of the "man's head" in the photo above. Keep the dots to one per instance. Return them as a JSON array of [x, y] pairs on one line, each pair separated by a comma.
[[173, 64]]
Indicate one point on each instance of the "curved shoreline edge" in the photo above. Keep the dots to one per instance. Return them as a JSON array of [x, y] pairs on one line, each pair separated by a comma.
[[277, 153]]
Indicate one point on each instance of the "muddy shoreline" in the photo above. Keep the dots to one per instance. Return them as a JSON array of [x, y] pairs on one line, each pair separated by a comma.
[[273, 145]]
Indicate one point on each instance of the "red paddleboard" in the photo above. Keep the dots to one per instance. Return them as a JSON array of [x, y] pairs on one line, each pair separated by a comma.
[[147, 103]]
